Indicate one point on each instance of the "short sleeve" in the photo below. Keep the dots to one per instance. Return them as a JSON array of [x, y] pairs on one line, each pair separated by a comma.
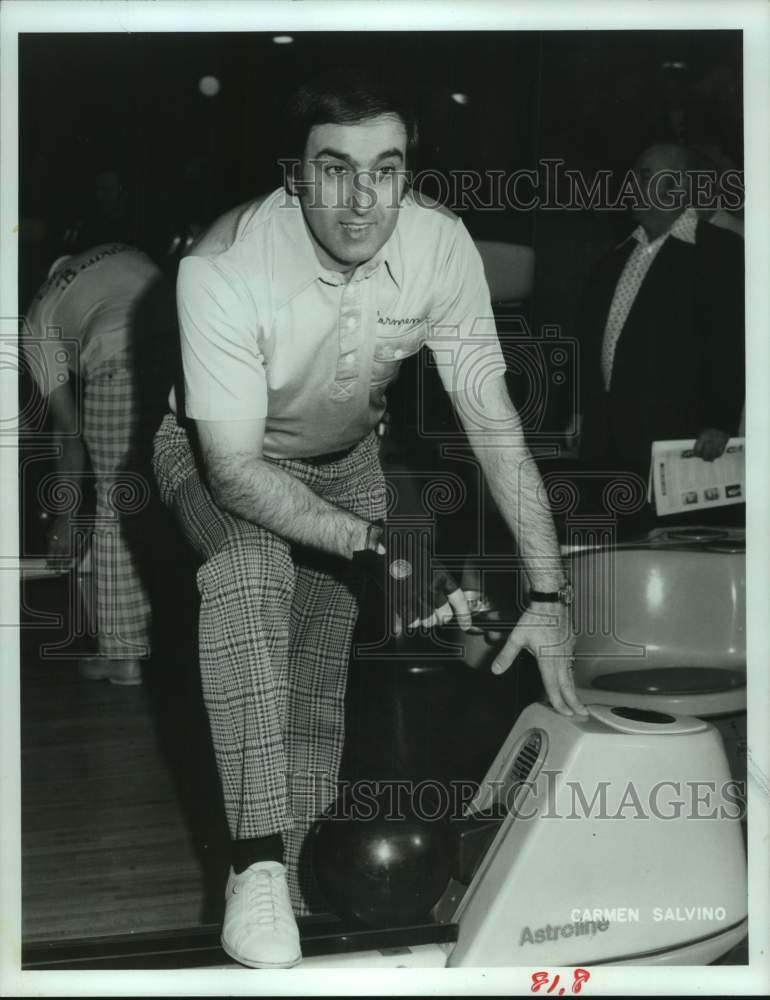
[[463, 335], [223, 367]]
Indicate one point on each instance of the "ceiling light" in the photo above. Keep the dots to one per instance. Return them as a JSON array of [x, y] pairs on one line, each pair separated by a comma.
[[209, 86]]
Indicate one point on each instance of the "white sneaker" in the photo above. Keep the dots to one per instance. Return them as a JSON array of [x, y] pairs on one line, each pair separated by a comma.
[[259, 928]]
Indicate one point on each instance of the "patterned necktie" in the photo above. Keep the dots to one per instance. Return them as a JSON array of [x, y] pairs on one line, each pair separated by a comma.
[[630, 281], [637, 266]]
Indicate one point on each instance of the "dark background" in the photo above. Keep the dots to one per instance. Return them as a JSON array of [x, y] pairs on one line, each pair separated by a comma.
[[131, 103]]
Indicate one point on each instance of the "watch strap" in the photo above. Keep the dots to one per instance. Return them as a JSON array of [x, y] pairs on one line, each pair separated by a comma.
[[545, 596], [564, 595]]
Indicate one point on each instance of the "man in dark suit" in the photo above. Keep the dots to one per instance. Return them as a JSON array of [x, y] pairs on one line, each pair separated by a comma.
[[661, 329]]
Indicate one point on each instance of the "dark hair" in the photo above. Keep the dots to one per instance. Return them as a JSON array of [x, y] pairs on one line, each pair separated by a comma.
[[344, 97]]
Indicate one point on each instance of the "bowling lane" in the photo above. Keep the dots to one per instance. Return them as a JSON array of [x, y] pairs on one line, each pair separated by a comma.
[[122, 830], [106, 847]]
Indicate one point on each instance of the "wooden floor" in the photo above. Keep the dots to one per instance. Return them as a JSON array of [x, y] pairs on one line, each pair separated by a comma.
[[107, 843], [122, 825]]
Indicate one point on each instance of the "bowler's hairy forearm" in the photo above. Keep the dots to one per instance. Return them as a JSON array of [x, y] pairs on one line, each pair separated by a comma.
[[261, 492], [516, 485]]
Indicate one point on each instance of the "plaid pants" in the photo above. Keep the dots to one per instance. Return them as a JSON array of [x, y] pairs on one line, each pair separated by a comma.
[[276, 625], [117, 428]]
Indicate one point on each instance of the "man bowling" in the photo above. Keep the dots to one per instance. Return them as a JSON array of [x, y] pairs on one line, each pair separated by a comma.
[[271, 466]]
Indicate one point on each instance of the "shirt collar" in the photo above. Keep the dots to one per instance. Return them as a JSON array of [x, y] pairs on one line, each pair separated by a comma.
[[292, 243], [683, 229]]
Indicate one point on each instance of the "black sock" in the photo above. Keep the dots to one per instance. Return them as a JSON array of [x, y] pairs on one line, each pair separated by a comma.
[[247, 852]]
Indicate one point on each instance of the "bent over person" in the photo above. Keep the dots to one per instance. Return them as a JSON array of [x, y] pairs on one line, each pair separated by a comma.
[[295, 312], [106, 318]]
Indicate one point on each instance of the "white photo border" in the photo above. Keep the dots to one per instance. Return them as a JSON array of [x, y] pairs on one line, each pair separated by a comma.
[[753, 16]]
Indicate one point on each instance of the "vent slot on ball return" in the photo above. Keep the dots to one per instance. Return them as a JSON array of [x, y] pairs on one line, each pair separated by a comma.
[[476, 831], [526, 759]]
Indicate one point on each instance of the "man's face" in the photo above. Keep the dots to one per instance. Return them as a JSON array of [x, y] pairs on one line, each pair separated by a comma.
[[350, 185]]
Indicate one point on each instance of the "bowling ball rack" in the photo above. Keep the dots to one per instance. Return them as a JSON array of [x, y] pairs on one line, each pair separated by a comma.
[[200, 948]]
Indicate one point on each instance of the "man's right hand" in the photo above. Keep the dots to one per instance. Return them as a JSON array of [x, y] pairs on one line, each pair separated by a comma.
[[418, 589]]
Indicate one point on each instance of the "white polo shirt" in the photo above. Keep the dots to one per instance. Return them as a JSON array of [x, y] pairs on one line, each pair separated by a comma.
[[268, 332]]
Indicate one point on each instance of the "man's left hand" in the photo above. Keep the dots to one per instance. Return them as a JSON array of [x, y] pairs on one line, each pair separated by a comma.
[[711, 443], [554, 657]]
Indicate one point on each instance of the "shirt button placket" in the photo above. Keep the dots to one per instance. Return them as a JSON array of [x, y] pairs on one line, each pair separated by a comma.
[[350, 324]]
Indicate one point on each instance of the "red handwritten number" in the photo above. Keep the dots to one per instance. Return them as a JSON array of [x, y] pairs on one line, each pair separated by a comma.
[[580, 976], [540, 979]]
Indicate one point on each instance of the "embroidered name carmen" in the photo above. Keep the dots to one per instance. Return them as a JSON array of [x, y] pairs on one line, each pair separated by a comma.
[[407, 321]]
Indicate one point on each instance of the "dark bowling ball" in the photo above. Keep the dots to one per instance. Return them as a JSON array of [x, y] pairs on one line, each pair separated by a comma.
[[380, 858]]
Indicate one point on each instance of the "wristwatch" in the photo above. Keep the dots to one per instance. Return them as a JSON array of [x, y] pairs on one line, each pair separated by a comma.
[[369, 555], [564, 595]]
